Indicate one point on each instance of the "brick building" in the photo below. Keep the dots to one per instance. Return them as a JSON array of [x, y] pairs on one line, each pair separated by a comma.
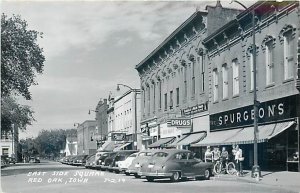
[[86, 144], [174, 81], [231, 84], [101, 131]]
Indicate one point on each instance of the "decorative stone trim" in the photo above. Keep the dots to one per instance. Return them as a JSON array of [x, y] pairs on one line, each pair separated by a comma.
[[286, 28], [266, 40], [250, 49]]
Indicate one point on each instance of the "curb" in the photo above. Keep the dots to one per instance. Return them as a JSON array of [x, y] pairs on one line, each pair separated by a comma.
[[233, 178]]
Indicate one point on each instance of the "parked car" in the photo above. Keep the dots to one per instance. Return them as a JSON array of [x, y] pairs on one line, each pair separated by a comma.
[[90, 161], [123, 165], [71, 159], [79, 160], [141, 158], [121, 156], [175, 164], [34, 160], [3, 162], [10, 160], [100, 162], [65, 160], [107, 162]]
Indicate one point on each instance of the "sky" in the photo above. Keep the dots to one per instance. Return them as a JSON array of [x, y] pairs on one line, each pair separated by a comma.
[[90, 47]]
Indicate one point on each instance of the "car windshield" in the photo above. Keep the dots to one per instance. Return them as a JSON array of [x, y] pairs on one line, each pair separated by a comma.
[[133, 155], [160, 154]]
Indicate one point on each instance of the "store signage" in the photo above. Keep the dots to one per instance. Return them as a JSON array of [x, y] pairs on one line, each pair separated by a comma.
[[269, 111], [179, 122], [194, 109], [118, 136]]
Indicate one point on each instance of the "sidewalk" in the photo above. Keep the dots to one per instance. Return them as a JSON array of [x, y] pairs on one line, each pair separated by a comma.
[[283, 179]]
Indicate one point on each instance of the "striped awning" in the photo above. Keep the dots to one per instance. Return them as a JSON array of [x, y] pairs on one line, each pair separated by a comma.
[[174, 143], [121, 146], [162, 142], [192, 138], [244, 135]]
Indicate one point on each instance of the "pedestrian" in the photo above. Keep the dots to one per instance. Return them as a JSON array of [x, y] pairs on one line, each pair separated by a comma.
[[216, 154], [208, 156], [224, 157], [238, 160]]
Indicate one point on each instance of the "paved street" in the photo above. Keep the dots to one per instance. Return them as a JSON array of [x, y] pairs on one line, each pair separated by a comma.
[[55, 177]]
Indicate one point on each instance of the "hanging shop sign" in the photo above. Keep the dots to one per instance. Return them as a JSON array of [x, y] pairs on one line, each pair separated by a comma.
[[270, 111], [179, 122], [118, 136], [194, 109]]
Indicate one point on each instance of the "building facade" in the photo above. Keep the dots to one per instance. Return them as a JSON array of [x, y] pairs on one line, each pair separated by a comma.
[[127, 116], [110, 115], [102, 122], [231, 84], [86, 144], [174, 81], [9, 144]]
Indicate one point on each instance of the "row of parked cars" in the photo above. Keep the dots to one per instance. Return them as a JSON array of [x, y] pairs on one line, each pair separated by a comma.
[[152, 164]]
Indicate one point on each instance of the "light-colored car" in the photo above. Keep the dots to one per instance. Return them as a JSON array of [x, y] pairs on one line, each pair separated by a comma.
[[123, 165], [90, 162], [136, 164], [175, 164]]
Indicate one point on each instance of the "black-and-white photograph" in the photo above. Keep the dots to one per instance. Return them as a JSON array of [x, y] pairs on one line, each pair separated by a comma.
[[150, 96]]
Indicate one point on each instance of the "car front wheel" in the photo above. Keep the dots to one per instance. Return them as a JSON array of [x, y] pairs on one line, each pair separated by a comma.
[[206, 174], [175, 177], [137, 176], [149, 179]]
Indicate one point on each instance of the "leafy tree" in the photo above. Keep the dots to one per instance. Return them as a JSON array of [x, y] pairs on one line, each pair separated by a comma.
[[14, 113], [21, 56], [21, 60]]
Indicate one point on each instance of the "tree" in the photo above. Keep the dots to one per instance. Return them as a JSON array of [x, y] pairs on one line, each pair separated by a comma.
[[21, 60], [14, 113], [21, 56]]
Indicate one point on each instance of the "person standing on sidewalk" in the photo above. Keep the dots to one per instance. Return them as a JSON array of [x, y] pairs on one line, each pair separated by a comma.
[[238, 160], [224, 157], [208, 156], [216, 154]]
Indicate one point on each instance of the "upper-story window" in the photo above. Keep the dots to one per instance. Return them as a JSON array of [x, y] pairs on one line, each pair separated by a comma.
[[171, 99], [144, 100], [225, 80], [202, 73], [177, 96], [185, 81], [166, 101], [154, 96], [159, 93], [235, 78], [288, 55], [148, 97], [216, 84], [251, 66], [193, 79], [269, 63]]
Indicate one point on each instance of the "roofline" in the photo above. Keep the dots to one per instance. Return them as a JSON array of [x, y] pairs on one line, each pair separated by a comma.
[[184, 24], [127, 93]]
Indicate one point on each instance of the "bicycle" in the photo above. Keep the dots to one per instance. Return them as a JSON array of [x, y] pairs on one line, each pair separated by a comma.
[[229, 168]]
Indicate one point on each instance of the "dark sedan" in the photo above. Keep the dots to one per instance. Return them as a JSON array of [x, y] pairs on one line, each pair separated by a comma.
[[79, 160], [175, 164], [106, 163]]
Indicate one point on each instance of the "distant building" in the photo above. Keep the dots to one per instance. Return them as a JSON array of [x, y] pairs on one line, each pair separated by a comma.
[[127, 116], [110, 114], [85, 137], [9, 144], [71, 146], [101, 120]]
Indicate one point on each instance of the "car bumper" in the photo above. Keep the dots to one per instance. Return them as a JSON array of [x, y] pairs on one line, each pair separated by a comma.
[[155, 174], [131, 171], [77, 164]]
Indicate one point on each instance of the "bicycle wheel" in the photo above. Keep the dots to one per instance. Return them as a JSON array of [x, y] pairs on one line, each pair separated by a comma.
[[218, 168], [230, 168]]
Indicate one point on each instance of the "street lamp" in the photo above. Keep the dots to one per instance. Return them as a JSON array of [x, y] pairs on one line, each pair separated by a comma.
[[256, 172], [92, 110], [135, 112]]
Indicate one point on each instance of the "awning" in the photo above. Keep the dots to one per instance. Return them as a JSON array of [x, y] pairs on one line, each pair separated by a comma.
[[192, 138], [122, 146], [265, 132], [176, 140], [162, 142], [244, 135], [107, 146], [217, 138]]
